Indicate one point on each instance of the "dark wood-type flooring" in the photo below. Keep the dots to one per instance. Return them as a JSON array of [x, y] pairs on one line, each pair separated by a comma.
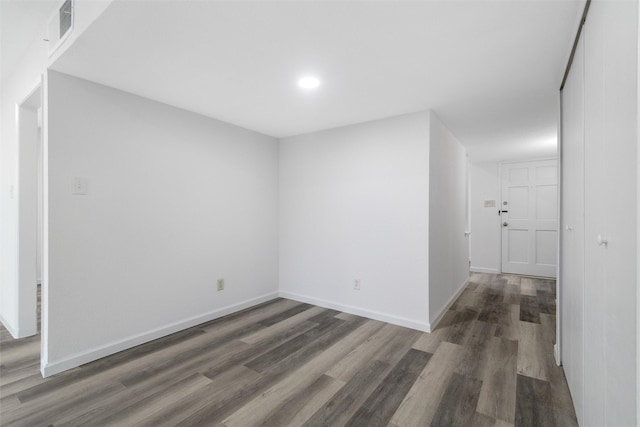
[[489, 363]]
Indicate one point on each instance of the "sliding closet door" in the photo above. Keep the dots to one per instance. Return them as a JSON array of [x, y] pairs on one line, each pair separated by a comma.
[[595, 186], [572, 231], [598, 272], [611, 168]]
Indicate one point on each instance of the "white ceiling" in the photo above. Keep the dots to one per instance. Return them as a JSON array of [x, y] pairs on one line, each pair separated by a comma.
[[21, 23], [490, 69]]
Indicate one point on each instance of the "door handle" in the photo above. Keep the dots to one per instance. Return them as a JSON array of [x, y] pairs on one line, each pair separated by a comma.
[[504, 224], [602, 240]]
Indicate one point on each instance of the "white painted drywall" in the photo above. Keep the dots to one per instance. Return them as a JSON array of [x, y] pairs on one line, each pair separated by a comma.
[[14, 91], [485, 221], [175, 201], [448, 246], [610, 177], [354, 205], [15, 86]]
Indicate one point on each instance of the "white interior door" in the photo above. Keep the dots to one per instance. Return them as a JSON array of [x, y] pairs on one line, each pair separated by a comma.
[[529, 215]]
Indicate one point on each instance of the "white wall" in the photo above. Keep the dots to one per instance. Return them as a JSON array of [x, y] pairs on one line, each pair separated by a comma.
[[485, 221], [354, 205], [448, 246], [607, 332], [14, 88], [175, 201], [14, 91]]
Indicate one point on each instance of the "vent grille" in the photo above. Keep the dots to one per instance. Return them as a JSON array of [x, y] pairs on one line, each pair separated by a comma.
[[60, 25], [65, 17]]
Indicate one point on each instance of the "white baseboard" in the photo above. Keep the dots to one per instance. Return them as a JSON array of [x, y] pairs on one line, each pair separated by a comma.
[[9, 326], [370, 314], [449, 303], [53, 367], [20, 332], [484, 270]]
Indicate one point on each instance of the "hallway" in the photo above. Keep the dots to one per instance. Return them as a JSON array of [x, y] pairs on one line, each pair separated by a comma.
[[489, 363]]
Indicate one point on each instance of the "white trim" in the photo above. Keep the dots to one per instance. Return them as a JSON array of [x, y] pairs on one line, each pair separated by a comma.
[[36, 85], [499, 184], [560, 242], [449, 303], [375, 315], [54, 367], [527, 160], [484, 270], [15, 334], [44, 289], [638, 221], [18, 333], [21, 330]]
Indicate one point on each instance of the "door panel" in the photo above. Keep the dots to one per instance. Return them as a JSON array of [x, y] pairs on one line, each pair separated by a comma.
[[546, 174], [518, 203], [547, 206], [571, 291], [546, 239], [518, 174], [518, 246], [599, 208], [530, 218]]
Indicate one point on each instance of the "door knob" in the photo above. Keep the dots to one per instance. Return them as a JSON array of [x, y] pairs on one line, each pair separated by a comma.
[[602, 240], [504, 224]]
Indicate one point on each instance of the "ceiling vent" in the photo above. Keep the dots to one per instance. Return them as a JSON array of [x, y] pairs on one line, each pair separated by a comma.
[[60, 25]]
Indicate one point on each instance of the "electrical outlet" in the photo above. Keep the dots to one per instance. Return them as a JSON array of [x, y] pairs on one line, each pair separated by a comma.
[[356, 284], [221, 284]]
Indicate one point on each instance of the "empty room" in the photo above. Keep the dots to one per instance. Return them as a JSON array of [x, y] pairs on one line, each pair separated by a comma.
[[319, 213]]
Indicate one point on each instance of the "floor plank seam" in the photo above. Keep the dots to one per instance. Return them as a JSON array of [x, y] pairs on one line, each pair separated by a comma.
[[489, 362]]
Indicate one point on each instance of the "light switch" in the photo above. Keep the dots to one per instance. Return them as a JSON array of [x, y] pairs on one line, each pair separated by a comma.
[[79, 186], [489, 203]]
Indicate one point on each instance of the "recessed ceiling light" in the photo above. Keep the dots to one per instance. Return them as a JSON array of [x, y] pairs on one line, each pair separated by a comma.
[[308, 82]]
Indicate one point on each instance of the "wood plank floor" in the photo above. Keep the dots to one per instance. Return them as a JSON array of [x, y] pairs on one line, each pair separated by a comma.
[[489, 363]]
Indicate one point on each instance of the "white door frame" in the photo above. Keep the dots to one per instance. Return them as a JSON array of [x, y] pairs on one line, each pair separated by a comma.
[[27, 213], [557, 348]]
